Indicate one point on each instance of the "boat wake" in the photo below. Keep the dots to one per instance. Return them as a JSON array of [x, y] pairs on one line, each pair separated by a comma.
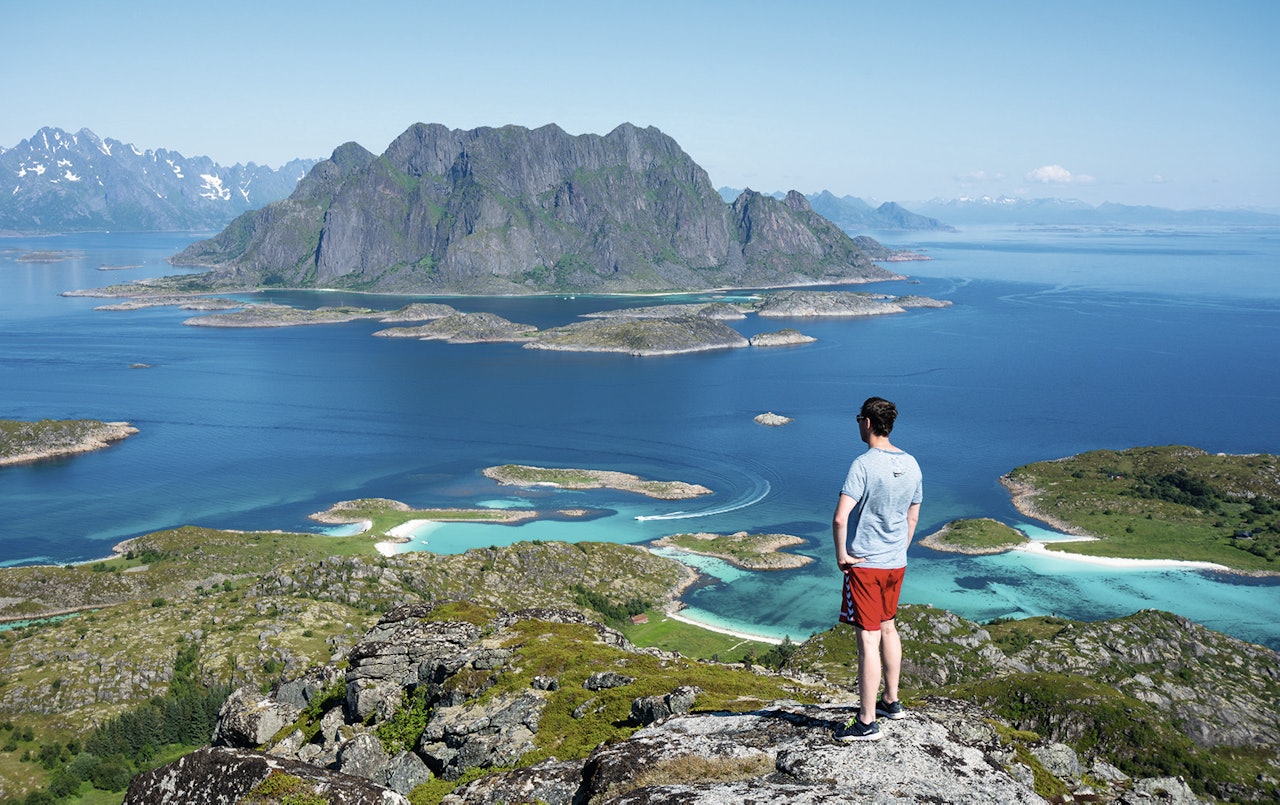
[[754, 496]]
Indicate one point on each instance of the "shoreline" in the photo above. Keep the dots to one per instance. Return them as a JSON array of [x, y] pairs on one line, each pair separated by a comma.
[[671, 609], [673, 614], [102, 436]]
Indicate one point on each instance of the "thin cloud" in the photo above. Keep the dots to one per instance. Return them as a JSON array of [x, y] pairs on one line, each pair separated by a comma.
[[1056, 174]]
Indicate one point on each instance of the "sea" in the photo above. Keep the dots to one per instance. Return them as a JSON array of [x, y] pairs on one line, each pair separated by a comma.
[[1058, 340]]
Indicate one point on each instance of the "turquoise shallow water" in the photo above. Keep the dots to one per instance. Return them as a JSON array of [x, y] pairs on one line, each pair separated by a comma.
[[1057, 342]]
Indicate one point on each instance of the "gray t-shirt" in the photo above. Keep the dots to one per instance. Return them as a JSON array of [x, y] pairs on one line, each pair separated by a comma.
[[884, 484]]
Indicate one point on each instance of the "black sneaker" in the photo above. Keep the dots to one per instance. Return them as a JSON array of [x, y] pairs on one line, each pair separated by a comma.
[[893, 711], [855, 730]]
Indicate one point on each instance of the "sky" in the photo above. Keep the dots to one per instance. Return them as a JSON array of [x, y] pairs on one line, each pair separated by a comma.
[[1169, 103]]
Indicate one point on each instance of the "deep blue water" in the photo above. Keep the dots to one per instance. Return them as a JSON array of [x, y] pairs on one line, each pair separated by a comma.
[[1059, 341]]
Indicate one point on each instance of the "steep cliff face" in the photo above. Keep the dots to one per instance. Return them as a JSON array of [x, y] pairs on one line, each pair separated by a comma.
[[514, 210]]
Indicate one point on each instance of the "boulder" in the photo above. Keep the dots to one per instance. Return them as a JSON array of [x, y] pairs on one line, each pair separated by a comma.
[[219, 775], [405, 772], [648, 709], [607, 679], [363, 756], [496, 733], [552, 782], [248, 719]]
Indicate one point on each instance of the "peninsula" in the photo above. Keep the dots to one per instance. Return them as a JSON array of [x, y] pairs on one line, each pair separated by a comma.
[[744, 550], [23, 442], [1162, 503], [523, 475]]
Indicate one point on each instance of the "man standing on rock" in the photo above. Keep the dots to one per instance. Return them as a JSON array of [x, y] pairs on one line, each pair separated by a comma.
[[874, 521]]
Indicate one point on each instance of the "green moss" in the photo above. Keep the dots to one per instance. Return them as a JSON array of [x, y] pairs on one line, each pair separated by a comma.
[[284, 789]]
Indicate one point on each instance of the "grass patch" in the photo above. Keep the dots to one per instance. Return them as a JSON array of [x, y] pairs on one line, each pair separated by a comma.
[[1012, 635], [576, 720], [670, 634]]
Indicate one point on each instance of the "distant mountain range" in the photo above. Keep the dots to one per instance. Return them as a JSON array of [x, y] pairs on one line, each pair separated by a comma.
[[514, 210], [1067, 212], [61, 182], [853, 215]]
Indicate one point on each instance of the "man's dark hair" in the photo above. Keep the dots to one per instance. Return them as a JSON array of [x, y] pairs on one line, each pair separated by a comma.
[[880, 415]]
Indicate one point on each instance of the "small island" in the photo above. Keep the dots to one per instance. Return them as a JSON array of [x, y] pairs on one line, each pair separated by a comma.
[[786, 337], [50, 256], [465, 328], [708, 310], [1159, 503], [23, 442], [839, 303], [641, 337], [975, 537], [772, 420], [523, 475], [744, 550]]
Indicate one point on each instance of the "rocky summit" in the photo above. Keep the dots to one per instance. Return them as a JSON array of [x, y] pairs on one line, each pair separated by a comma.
[[468, 708], [516, 211]]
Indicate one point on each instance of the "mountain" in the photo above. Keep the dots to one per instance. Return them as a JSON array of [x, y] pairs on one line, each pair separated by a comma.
[[514, 210], [853, 215], [1070, 212], [60, 182]]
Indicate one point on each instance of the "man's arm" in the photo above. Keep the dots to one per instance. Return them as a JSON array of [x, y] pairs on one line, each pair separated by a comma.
[[913, 517], [840, 530]]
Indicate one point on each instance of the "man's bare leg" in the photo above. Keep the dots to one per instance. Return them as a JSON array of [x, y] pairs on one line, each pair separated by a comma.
[[891, 657], [869, 671]]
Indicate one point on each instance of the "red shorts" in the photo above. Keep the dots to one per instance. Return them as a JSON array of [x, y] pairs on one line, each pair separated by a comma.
[[871, 596]]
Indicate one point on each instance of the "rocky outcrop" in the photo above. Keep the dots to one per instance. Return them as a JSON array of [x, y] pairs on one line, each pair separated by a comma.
[[219, 775], [772, 420], [512, 210], [839, 303], [782, 338], [456, 678]]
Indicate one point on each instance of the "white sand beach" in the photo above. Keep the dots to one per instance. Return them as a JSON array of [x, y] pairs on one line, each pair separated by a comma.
[[674, 615], [1120, 563]]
